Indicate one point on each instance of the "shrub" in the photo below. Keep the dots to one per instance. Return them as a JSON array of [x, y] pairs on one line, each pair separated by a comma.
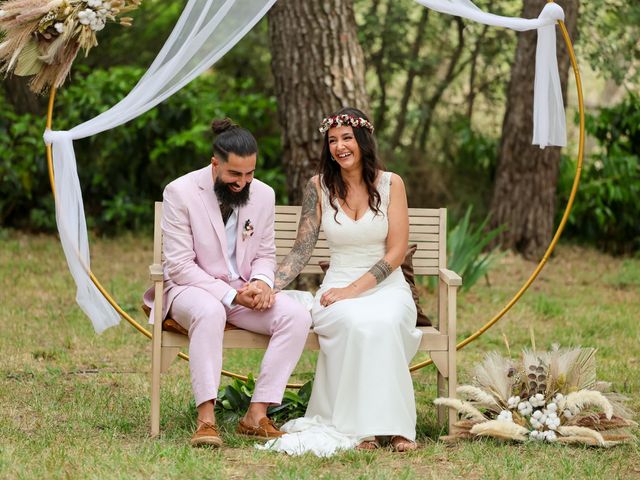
[[470, 157], [467, 249], [122, 171], [467, 252], [233, 400], [606, 209], [23, 170]]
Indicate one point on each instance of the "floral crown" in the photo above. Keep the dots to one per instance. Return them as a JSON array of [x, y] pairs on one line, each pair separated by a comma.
[[345, 119]]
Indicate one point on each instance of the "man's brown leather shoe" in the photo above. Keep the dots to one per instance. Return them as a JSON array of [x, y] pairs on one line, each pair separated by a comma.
[[266, 429], [206, 434]]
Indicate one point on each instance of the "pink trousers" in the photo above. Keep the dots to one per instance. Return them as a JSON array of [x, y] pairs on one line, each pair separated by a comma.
[[287, 322]]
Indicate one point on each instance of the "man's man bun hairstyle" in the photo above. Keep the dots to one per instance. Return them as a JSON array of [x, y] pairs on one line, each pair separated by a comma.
[[221, 125], [232, 138]]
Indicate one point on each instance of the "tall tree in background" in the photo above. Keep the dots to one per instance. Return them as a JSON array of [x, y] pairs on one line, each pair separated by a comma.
[[318, 67], [524, 196], [22, 99]]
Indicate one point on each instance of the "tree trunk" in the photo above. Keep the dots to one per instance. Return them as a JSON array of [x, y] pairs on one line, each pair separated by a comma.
[[526, 176], [23, 100], [318, 67]]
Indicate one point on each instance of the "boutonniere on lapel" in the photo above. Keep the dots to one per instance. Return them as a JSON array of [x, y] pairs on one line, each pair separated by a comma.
[[247, 231]]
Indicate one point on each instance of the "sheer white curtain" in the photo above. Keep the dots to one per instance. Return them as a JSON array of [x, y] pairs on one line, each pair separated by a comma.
[[549, 125], [206, 30]]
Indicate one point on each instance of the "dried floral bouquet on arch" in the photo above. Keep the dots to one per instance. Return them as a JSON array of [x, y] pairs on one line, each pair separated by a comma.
[[43, 37], [548, 396]]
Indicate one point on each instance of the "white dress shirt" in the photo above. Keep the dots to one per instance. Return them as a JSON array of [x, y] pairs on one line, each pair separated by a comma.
[[231, 231]]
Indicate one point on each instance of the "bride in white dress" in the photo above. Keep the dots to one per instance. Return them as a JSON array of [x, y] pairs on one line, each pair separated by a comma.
[[364, 314]]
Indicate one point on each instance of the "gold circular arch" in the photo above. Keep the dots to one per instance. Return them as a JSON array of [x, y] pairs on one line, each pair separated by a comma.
[[469, 339]]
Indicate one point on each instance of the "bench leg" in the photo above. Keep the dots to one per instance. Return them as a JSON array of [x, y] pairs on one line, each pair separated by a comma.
[[156, 362], [441, 392], [452, 386], [446, 360], [155, 397]]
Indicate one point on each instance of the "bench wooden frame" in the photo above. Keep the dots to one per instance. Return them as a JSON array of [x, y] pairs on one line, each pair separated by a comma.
[[427, 229]]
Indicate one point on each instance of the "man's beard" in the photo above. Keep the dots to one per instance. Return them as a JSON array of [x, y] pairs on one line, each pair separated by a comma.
[[228, 197]]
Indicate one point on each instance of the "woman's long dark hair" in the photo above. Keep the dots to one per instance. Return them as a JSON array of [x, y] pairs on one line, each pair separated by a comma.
[[329, 169]]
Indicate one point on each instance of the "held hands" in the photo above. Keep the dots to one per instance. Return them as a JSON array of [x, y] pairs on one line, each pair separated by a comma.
[[334, 295], [256, 295]]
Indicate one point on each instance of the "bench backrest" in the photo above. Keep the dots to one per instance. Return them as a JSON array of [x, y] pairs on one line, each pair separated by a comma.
[[427, 229]]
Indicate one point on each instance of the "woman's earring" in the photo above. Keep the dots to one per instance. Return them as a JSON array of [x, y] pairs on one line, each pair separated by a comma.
[[333, 158]]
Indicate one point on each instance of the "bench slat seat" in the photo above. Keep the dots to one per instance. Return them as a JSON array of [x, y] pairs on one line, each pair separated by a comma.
[[432, 340]]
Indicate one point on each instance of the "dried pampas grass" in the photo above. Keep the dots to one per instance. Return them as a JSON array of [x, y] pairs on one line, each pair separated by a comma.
[[575, 368], [500, 429], [582, 374], [464, 408], [600, 422], [578, 401], [581, 432], [461, 430], [592, 442], [41, 38], [545, 396], [478, 396], [492, 375]]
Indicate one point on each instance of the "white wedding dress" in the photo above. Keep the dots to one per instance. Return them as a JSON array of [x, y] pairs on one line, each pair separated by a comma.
[[362, 385]]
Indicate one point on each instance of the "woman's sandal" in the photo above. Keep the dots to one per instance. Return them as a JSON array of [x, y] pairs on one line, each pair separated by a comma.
[[401, 444], [368, 445]]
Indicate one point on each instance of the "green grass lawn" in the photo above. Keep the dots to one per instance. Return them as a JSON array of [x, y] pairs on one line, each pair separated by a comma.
[[75, 404]]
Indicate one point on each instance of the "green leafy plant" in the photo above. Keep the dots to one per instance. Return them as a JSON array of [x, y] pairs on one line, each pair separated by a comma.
[[606, 209], [467, 252], [23, 168], [467, 249], [124, 170], [233, 400]]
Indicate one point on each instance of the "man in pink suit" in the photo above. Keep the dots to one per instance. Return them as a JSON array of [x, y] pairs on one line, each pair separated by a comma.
[[219, 248]]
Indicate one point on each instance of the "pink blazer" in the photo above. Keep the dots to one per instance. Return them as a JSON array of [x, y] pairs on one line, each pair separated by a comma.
[[195, 243]]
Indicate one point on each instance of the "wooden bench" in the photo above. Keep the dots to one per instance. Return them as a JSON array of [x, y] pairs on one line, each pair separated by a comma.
[[427, 229]]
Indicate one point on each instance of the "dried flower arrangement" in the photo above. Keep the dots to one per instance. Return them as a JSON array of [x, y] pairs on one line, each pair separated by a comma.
[[43, 37], [548, 396]]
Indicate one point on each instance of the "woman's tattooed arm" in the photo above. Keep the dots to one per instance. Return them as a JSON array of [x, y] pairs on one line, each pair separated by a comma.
[[308, 231], [381, 270]]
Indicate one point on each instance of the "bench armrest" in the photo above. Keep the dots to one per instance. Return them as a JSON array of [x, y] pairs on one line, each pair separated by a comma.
[[156, 273], [450, 277]]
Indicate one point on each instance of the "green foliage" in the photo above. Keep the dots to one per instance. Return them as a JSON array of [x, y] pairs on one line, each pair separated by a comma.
[[122, 171], [294, 404], [233, 400], [609, 32], [467, 245], [23, 170], [606, 209], [419, 69], [467, 250], [470, 161]]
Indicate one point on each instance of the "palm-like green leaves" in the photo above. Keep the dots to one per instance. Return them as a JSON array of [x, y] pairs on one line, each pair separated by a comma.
[[233, 400], [466, 249]]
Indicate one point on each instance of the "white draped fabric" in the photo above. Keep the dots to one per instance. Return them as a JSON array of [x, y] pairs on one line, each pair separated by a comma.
[[549, 125], [206, 30]]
